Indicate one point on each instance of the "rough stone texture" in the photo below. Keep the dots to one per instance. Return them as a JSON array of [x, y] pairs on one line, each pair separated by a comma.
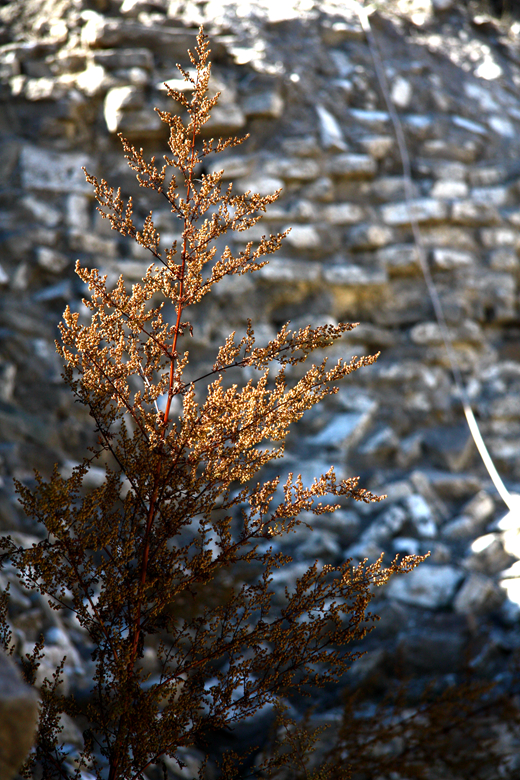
[[18, 714], [427, 586]]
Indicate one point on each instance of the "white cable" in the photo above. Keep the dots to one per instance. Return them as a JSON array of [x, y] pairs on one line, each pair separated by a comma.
[[511, 501]]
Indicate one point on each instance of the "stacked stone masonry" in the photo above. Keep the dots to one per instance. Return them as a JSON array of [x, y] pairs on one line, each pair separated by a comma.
[[300, 79]]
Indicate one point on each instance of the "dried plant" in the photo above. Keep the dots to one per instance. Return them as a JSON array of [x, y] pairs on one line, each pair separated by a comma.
[[179, 513]]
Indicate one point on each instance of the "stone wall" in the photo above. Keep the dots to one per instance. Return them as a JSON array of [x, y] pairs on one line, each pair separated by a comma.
[[300, 79]]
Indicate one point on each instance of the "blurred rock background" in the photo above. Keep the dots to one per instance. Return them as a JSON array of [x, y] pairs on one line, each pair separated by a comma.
[[299, 77]]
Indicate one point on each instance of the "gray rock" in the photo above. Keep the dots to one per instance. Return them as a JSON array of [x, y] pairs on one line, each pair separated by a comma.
[[423, 210], [399, 259], [432, 651], [487, 554], [304, 237], [343, 214], [475, 214], [345, 430], [422, 516], [354, 276], [18, 718], [47, 170], [429, 586], [352, 166], [478, 595], [266, 104], [330, 131], [369, 236], [322, 545], [445, 259], [378, 146], [450, 447]]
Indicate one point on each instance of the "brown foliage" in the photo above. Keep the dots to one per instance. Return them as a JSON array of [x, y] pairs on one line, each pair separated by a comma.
[[162, 530]]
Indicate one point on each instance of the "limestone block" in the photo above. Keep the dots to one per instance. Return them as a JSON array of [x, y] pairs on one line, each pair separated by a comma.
[[364, 549], [406, 545], [475, 214], [42, 211], [103, 32], [499, 236], [234, 167], [423, 209], [399, 259], [450, 447], [51, 260], [369, 236], [401, 92], [429, 586], [226, 119], [77, 212], [263, 185], [94, 80], [124, 112], [321, 190], [379, 447], [378, 146], [506, 407], [449, 259], [304, 237], [422, 516], [467, 124], [344, 523], [18, 718], [387, 525], [478, 595], [321, 544], [387, 188], [345, 430], [43, 169], [429, 333], [94, 244], [335, 31], [495, 295], [45, 89], [330, 132], [352, 166], [487, 176], [503, 126], [293, 168], [504, 260], [354, 276], [123, 59], [462, 527], [290, 271], [301, 146], [487, 554], [480, 508], [376, 120], [419, 126], [266, 104], [498, 196], [465, 152], [449, 190], [446, 170], [453, 487], [342, 214], [449, 236]]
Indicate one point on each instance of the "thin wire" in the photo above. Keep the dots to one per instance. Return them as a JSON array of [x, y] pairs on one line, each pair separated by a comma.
[[511, 501]]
